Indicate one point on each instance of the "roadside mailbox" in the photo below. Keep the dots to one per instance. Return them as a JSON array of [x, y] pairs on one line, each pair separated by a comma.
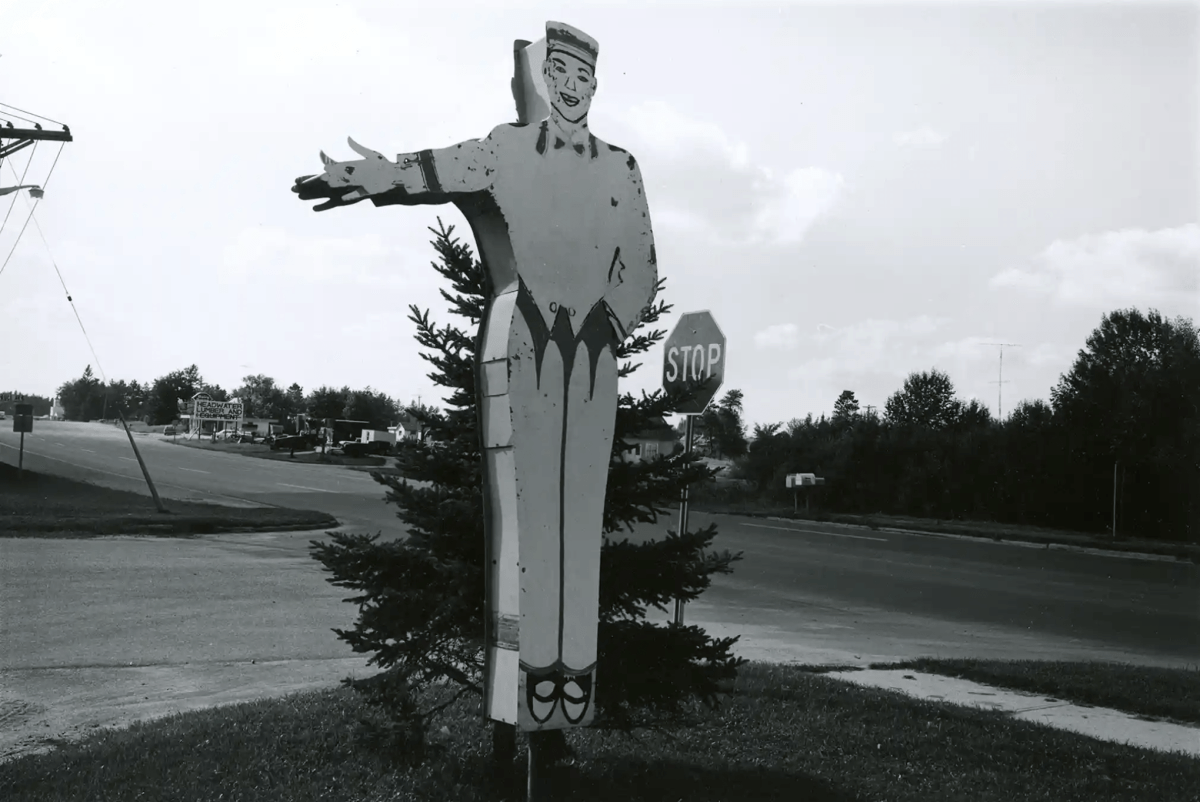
[[795, 481], [801, 479]]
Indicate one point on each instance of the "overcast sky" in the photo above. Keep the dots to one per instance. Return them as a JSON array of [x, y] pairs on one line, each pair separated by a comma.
[[855, 193]]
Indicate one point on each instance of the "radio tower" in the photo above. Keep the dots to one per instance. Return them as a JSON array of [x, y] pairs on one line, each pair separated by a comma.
[[1000, 380]]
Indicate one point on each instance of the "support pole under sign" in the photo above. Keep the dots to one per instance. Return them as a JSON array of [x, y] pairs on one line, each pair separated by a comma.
[[22, 422], [1114, 525], [689, 431]]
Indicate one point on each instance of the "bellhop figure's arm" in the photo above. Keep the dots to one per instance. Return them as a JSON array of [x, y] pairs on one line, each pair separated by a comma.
[[427, 176], [633, 274]]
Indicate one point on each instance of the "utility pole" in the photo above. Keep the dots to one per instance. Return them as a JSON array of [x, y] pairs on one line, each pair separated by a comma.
[[1000, 382]]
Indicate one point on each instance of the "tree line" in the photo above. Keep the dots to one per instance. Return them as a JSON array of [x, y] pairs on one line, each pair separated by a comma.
[[10, 398], [164, 400], [1123, 422]]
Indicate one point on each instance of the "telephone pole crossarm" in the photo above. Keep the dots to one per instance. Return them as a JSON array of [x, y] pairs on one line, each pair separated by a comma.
[[14, 139]]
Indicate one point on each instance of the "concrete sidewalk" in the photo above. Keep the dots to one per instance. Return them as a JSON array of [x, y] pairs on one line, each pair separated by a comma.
[[1096, 722]]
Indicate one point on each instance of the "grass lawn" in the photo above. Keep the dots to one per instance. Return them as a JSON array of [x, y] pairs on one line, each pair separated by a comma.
[[43, 505], [982, 529], [262, 451], [1137, 690], [785, 734]]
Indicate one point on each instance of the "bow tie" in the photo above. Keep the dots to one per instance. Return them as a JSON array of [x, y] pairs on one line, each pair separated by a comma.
[[579, 147], [577, 140]]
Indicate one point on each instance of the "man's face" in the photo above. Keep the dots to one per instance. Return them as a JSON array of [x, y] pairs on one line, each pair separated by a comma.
[[571, 83]]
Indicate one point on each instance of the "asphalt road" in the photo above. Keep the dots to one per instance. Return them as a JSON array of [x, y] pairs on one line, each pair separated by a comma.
[[101, 454], [88, 625], [816, 588]]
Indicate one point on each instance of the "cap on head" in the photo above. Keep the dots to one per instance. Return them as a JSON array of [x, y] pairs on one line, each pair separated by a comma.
[[561, 36]]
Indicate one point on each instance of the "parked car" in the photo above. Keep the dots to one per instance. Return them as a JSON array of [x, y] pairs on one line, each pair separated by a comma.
[[169, 430], [357, 448], [294, 442]]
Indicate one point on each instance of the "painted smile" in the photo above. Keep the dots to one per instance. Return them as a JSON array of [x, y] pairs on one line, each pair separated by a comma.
[[570, 100]]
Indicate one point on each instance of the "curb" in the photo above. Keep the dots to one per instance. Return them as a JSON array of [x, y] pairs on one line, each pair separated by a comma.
[[164, 531], [1029, 544]]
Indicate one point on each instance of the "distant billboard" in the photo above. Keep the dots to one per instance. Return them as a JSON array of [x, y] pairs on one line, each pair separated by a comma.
[[217, 410]]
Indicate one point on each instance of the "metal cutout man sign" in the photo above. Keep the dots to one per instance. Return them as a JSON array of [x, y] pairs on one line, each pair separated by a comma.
[[563, 229]]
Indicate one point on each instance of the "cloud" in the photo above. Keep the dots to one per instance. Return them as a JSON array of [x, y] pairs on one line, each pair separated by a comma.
[[700, 179], [923, 137], [890, 347], [277, 254], [794, 202], [967, 348], [1055, 354], [1118, 268], [664, 129], [781, 335], [288, 40]]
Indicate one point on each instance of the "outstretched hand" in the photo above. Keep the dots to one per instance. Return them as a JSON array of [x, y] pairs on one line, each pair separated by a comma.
[[344, 183]]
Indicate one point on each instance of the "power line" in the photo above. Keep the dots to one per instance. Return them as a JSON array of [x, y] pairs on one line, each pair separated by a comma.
[[53, 165], [32, 208], [19, 234], [7, 115], [61, 280], [35, 114], [20, 180]]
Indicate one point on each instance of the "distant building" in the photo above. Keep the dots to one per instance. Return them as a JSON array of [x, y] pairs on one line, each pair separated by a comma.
[[56, 410], [658, 439], [261, 427], [409, 427]]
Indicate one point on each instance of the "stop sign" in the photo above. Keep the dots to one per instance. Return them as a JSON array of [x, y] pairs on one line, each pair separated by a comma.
[[694, 357]]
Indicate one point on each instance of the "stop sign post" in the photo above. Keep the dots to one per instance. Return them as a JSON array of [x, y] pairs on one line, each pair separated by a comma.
[[693, 359]]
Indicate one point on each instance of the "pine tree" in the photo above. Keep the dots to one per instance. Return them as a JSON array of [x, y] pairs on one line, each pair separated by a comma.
[[421, 599]]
